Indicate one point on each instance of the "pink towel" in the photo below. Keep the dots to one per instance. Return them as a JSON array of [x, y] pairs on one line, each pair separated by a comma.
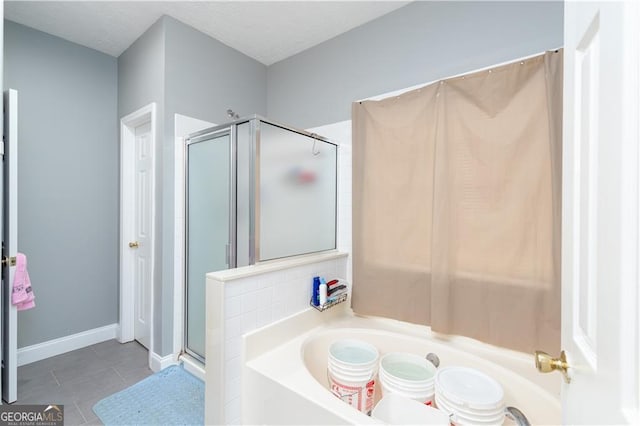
[[22, 295]]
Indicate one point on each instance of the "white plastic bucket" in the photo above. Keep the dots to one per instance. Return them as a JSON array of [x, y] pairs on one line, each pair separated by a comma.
[[408, 375], [396, 410], [470, 389], [461, 418], [426, 398], [351, 369], [488, 415], [470, 395], [395, 382]]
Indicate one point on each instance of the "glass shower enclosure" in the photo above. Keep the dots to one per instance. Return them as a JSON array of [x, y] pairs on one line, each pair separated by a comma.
[[255, 190]]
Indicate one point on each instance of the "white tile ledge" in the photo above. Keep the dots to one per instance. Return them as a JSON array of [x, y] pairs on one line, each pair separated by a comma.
[[274, 265]]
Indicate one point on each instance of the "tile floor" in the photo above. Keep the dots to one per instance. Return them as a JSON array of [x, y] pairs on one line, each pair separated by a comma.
[[80, 378]]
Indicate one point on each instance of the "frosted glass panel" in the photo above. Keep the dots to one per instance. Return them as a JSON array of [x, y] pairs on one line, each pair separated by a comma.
[[297, 196], [208, 200]]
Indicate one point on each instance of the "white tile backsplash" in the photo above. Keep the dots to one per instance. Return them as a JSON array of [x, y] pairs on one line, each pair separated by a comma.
[[278, 293], [264, 316], [233, 327], [249, 321], [250, 301], [232, 411], [277, 311], [236, 290], [289, 289], [232, 368], [260, 300], [233, 307], [264, 297], [232, 389], [232, 347]]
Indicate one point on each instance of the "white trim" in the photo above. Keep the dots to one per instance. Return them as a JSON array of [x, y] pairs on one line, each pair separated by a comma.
[[128, 125], [178, 244], [158, 362], [630, 216], [214, 391], [10, 243], [635, 417], [193, 366], [62, 345], [274, 265]]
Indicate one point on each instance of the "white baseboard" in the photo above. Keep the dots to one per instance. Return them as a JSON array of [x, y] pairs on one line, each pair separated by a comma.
[[160, 363], [54, 347], [192, 366]]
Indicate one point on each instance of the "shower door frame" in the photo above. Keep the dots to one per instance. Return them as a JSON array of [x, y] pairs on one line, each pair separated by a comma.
[[253, 254], [200, 137]]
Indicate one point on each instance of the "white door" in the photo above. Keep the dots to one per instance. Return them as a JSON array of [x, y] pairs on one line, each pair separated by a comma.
[[9, 227], [141, 245], [600, 255]]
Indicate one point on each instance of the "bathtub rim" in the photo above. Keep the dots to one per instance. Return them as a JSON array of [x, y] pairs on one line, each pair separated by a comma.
[[292, 332]]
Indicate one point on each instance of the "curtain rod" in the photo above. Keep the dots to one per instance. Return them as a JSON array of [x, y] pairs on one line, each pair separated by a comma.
[[418, 86]]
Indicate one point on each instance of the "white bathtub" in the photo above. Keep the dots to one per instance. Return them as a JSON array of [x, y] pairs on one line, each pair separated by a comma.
[[285, 372]]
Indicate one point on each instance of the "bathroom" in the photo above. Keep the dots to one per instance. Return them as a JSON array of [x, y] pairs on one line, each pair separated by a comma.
[[186, 72]]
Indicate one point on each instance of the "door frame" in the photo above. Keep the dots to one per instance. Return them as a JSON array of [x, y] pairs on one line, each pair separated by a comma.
[[602, 356], [9, 223], [128, 125]]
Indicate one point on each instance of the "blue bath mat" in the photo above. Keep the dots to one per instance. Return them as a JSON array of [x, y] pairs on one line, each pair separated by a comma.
[[169, 397]]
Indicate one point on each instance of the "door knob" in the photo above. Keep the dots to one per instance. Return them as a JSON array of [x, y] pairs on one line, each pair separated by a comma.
[[546, 364], [134, 244]]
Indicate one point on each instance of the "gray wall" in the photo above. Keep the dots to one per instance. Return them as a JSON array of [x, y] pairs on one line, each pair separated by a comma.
[[68, 181], [419, 43], [203, 78], [141, 82], [141, 71], [184, 72]]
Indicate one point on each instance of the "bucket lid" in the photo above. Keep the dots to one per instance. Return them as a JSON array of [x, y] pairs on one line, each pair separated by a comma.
[[468, 387], [353, 352]]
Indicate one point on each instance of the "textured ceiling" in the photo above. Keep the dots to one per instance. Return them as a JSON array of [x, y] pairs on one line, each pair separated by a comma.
[[267, 31]]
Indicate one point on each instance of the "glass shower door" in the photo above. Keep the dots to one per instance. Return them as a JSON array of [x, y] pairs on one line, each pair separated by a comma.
[[208, 192], [297, 203]]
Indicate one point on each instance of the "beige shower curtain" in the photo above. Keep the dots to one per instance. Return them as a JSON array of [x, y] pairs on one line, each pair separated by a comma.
[[456, 215]]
